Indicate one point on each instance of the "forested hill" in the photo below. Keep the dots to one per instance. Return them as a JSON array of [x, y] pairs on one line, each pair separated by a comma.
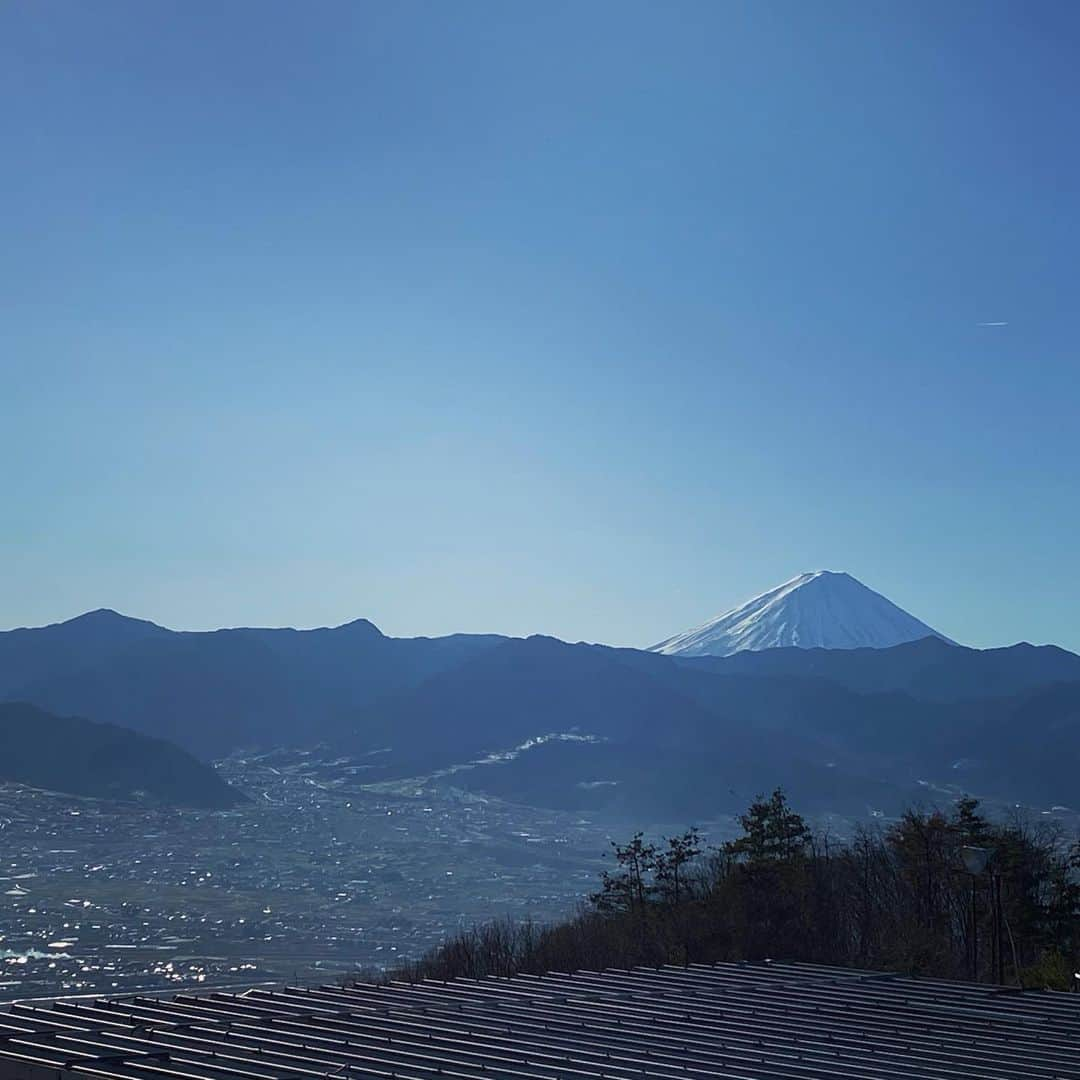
[[81, 757], [898, 899]]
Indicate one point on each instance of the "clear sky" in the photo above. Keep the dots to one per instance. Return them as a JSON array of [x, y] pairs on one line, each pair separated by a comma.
[[589, 319]]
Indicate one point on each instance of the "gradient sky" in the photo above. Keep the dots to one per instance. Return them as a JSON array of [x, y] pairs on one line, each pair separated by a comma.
[[590, 319]]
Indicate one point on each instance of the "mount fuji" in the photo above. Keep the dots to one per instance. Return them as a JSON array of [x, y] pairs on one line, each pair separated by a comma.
[[819, 610]]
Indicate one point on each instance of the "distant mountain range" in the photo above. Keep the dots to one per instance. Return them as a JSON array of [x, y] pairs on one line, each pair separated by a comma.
[[80, 757], [650, 735], [818, 610], [211, 692], [683, 738], [927, 669]]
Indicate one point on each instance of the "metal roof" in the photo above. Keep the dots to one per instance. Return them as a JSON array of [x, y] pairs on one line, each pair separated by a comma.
[[742, 1021]]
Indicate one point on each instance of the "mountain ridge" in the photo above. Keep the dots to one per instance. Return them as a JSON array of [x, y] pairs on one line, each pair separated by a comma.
[[844, 727], [211, 691], [595, 727], [928, 668]]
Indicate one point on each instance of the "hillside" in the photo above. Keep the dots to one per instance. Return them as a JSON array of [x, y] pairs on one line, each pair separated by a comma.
[[80, 757], [587, 726], [211, 692]]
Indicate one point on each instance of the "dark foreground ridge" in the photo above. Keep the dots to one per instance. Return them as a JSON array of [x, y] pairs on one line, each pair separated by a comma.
[[102, 761], [748, 1021]]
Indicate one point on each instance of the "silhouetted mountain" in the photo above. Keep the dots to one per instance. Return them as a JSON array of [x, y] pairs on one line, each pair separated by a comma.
[[525, 688], [930, 669], [211, 692], [80, 757], [1025, 747], [47, 652], [584, 726]]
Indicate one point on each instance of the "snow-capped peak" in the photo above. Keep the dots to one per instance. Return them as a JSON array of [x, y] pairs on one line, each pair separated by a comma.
[[823, 609]]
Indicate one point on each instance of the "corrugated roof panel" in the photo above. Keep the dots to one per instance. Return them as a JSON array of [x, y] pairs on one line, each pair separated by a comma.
[[764, 1021]]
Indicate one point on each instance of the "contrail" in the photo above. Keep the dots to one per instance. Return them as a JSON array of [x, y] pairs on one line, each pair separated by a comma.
[[992, 324]]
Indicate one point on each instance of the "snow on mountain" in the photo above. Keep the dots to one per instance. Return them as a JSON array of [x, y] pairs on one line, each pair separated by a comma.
[[819, 610]]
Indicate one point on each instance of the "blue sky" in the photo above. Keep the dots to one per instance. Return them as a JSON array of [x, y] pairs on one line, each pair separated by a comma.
[[585, 319]]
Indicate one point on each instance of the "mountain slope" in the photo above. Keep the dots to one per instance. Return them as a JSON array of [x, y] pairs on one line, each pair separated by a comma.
[[212, 692], [929, 669], [660, 738], [528, 688], [45, 652], [635, 733], [822, 609], [79, 757]]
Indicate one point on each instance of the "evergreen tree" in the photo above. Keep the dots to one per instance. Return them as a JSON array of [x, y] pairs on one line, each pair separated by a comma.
[[771, 831]]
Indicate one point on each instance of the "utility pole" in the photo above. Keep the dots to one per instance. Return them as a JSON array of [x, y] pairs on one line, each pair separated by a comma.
[[998, 920], [975, 860], [974, 934]]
